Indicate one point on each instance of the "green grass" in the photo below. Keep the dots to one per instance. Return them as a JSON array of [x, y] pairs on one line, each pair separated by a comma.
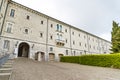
[[105, 60]]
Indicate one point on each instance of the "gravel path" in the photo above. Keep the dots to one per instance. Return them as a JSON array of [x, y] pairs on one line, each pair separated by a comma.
[[27, 69]]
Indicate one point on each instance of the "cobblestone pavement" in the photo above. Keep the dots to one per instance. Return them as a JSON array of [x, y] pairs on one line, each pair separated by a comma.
[[27, 69]]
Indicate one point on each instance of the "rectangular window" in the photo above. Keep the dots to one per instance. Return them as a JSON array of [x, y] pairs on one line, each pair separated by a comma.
[[66, 52], [9, 27], [66, 41], [74, 53], [79, 35], [65, 30], [51, 49], [85, 45], [51, 25], [28, 17], [80, 43], [41, 34], [51, 37], [73, 33], [6, 44], [73, 42], [12, 13], [42, 22]]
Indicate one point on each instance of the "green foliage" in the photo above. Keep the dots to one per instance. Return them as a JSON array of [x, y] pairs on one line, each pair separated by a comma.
[[107, 60], [115, 37], [70, 59]]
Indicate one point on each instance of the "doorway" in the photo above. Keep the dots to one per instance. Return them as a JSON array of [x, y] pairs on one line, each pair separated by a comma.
[[23, 50]]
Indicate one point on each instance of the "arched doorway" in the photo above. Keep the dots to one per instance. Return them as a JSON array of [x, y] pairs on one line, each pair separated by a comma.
[[23, 50], [40, 56], [51, 57], [60, 55]]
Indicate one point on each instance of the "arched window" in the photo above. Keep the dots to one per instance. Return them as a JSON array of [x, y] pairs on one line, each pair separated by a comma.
[[57, 27], [61, 28]]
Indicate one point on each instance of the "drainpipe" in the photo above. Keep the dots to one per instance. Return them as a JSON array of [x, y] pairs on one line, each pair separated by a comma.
[[4, 18], [47, 41], [70, 41]]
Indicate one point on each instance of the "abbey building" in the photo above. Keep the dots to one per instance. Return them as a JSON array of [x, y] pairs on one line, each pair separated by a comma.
[[25, 32]]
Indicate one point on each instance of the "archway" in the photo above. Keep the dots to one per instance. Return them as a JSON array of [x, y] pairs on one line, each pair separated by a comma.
[[23, 50], [60, 55], [40, 56], [51, 57]]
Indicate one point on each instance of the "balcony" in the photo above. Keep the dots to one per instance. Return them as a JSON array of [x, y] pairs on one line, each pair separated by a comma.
[[60, 42]]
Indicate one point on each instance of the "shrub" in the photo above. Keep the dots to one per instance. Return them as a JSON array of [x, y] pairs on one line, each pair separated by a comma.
[[105, 60]]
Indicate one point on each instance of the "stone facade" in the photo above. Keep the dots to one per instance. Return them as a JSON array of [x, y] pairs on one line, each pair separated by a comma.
[[29, 33]]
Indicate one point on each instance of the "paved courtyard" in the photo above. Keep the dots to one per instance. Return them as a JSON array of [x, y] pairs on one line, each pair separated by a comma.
[[27, 69]]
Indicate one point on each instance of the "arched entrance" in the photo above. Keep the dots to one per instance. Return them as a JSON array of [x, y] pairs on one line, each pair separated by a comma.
[[51, 57], [60, 55], [40, 56], [23, 50]]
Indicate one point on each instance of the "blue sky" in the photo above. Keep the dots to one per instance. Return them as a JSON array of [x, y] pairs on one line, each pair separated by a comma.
[[93, 16]]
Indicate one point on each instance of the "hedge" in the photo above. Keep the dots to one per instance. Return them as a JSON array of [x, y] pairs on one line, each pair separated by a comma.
[[106, 60]]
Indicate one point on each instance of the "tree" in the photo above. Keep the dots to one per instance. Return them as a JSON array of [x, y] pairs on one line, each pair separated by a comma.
[[115, 38]]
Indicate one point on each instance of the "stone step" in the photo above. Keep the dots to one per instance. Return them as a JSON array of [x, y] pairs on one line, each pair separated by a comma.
[[5, 74], [8, 63], [5, 69], [6, 66]]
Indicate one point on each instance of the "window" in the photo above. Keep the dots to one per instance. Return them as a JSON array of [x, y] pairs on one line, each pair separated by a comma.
[[73, 33], [58, 37], [61, 37], [84, 37], [6, 44], [90, 46], [41, 34], [79, 35], [85, 45], [51, 25], [73, 42], [28, 17], [12, 13], [74, 53], [51, 49], [65, 30], [57, 27], [51, 37], [66, 41], [80, 43], [42, 22], [80, 53], [66, 52], [89, 38], [9, 27], [26, 31], [61, 28]]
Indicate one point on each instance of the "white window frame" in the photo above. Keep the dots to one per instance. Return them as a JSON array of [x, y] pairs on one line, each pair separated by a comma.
[[9, 27], [6, 44]]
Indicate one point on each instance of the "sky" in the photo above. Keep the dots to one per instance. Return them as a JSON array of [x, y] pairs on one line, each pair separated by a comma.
[[93, 16]]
